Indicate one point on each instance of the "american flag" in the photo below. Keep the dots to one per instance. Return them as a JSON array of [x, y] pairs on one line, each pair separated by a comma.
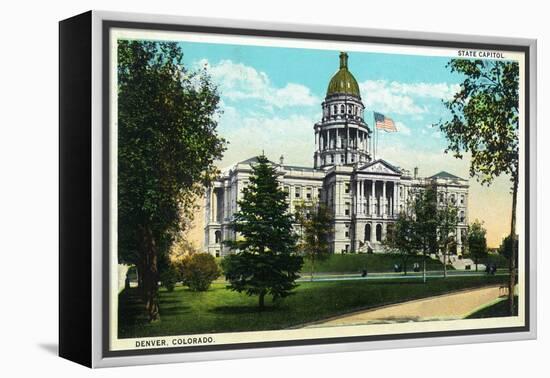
[[384, 123]]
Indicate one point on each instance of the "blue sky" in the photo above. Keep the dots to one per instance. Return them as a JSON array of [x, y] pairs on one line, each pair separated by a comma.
[[271, 97], [283, 88]]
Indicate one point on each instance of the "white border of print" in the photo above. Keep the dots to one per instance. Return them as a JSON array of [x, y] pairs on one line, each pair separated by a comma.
[[97, 174]]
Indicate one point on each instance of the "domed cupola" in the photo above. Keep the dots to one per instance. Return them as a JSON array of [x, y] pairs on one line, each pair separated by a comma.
[[342, 136], [343, 81]]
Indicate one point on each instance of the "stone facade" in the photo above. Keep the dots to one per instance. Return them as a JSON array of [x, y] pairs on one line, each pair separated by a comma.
[[365, 194]]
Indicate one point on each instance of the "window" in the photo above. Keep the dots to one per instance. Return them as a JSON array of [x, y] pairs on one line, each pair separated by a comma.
[[318, 192], [346, 187], [347, 230], [217, 253], [352, 158], [217, 237], [342, 110], [308, 193], [342, 158], [378, 232], [347, 208], [332, 158], [462, 199], [298, 192], [462, 217], [367, 232]]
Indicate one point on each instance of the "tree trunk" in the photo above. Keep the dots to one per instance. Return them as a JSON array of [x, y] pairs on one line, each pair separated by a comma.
[[261, 300], [445, 262], [150, 276], [312, 267], [512, 262], [405, 266], [424, 269]]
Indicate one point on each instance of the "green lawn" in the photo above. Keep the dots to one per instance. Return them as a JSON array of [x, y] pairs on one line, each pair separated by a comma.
[[496, 310], [374, 263], [500, 261], [221, 310]]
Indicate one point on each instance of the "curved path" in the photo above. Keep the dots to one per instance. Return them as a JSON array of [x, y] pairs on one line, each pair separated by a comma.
[[444, 307]]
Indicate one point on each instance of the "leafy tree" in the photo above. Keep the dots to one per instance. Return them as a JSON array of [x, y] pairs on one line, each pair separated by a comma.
[[199, 270], [315, 224], [167, 145], [426, 223], [485, 123], [404, 238], [505, 248], [447, 223], [265, 261], [169, 276], [477, 241]]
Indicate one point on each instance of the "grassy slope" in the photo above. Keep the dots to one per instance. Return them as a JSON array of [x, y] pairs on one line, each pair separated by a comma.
[[353, 263], [221, 310], [496, 310]]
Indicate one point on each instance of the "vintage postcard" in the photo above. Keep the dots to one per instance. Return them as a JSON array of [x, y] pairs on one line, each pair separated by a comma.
[[272, 190]]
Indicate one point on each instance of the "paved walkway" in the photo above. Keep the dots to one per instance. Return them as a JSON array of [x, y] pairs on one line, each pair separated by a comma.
[[444, 307]]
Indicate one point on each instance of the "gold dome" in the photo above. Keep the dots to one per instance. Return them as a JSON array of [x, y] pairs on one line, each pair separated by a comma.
[[343, 81]]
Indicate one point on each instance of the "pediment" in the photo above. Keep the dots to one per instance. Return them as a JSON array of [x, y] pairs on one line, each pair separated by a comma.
[[380, 167]]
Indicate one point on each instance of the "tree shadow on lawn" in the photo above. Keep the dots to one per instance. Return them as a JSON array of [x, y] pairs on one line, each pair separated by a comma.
[[239, 310]]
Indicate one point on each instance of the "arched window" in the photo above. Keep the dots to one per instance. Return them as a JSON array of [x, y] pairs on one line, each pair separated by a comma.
[[333, 109], [342, 109], [218, 237], [378, 232], [389, 230], [367, 232]]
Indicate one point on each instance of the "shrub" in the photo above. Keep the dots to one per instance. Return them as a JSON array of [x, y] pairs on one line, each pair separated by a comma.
[[169, 277], [199, 270]]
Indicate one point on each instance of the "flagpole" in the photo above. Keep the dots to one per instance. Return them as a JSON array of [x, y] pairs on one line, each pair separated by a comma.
[[373, 136]]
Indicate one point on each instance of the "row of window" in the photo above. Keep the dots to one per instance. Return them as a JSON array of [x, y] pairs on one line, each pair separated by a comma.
[[341, 109], [299, 192], [452, 198], [331, 159]]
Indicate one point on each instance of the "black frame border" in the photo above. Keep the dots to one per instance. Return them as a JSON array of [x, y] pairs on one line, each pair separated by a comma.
[[107, 25]]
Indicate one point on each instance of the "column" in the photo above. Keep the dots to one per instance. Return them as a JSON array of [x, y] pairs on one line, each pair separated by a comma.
[[210, 204], [317, 141], [383, 201], [357, 196], [394, 199], [362, 196], [215, 205], [372, 197]]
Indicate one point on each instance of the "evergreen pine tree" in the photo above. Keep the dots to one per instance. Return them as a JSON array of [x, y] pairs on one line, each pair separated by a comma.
[[265, 262]]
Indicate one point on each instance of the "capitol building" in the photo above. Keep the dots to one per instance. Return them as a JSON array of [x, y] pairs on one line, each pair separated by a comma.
[[364, 194]]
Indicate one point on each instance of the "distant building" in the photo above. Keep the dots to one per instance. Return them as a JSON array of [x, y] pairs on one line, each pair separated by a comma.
[[365, 195]]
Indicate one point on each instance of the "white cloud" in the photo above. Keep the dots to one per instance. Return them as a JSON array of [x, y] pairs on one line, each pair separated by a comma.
[[402, 128], [377, 95], [401, 98], [248, 136], [238, 81], [434, 90]]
